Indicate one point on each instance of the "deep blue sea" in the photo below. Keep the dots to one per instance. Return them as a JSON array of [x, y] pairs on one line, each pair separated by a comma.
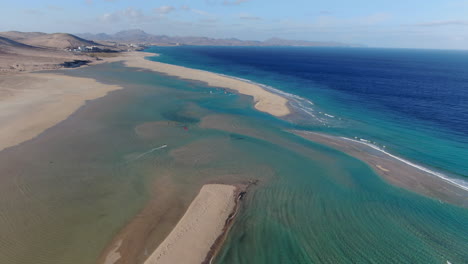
[[412, 103]]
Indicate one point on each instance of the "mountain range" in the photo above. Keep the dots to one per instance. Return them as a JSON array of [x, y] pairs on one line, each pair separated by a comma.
[[138, 36]]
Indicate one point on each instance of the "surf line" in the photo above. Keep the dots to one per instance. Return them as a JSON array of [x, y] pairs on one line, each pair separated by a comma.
[[149, 151], [437, 174]]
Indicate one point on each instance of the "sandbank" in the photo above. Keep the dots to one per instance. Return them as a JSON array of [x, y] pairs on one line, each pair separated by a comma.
[[198, 230], [393, 170], [265, 101], [30, 103]]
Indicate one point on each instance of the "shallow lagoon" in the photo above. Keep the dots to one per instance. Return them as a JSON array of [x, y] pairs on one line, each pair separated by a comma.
[[67, 193]]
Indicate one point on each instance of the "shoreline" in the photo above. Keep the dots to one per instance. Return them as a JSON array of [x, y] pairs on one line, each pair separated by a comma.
[[12, 85], [409, 163], [146, 231], [393, 170], [33, 102], [239, 194], [264, 100], [199, 233], [79, 96]]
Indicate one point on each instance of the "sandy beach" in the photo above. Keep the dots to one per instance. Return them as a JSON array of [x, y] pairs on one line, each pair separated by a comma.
[[32, 102], [197, 231], [393, 170], [265, 101]]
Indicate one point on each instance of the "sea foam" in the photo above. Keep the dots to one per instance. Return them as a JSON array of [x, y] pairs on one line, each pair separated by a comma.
[[306, 106], [456, 182], [298, 103]]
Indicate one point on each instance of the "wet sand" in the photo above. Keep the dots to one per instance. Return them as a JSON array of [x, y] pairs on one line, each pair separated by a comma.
[[197, 231], [30, 103], [393, 170], [265, 101]]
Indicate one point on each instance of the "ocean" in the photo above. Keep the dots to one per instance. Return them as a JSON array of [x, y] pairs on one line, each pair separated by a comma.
[[410, 103], [413, 102], [127, 166]]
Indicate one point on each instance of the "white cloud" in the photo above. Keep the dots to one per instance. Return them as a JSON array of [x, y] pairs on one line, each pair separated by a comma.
[[109, 17], [34, 12], [132, 13], [226, 2], [247, 16], [126, 14], [206, 16], [90, 2], [325, 12], [208, 20], [197, 11], [54, 8], [369, 20], [162, 10], [234, 2], [444, 23], [200, 12], [374, 18]]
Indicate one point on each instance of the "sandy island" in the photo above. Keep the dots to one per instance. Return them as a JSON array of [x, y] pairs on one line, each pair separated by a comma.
[[393, 170], [265, 101], [197, 231]]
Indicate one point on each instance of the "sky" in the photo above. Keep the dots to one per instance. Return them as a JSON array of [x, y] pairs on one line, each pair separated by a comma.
[[440, 24]]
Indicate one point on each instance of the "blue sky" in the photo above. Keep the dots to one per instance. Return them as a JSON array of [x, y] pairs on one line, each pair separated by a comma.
[[408, 24]]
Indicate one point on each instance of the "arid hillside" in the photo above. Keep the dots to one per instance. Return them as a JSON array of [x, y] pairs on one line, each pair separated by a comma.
[[30, 51]]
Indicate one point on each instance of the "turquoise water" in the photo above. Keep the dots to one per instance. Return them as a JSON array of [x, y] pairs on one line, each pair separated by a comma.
[[322, 206], [413, 103], [327, 207], [67, 193]]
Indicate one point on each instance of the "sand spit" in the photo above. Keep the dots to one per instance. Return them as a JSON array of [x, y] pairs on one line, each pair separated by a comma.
[[265, 101], [114, 255], [393, 170], [30, 103], [200, 227]]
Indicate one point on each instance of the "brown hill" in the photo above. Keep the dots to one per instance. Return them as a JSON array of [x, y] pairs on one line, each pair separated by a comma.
[[20, 36], [10, 46], [46, 54], [57, 41], [6, 42]]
